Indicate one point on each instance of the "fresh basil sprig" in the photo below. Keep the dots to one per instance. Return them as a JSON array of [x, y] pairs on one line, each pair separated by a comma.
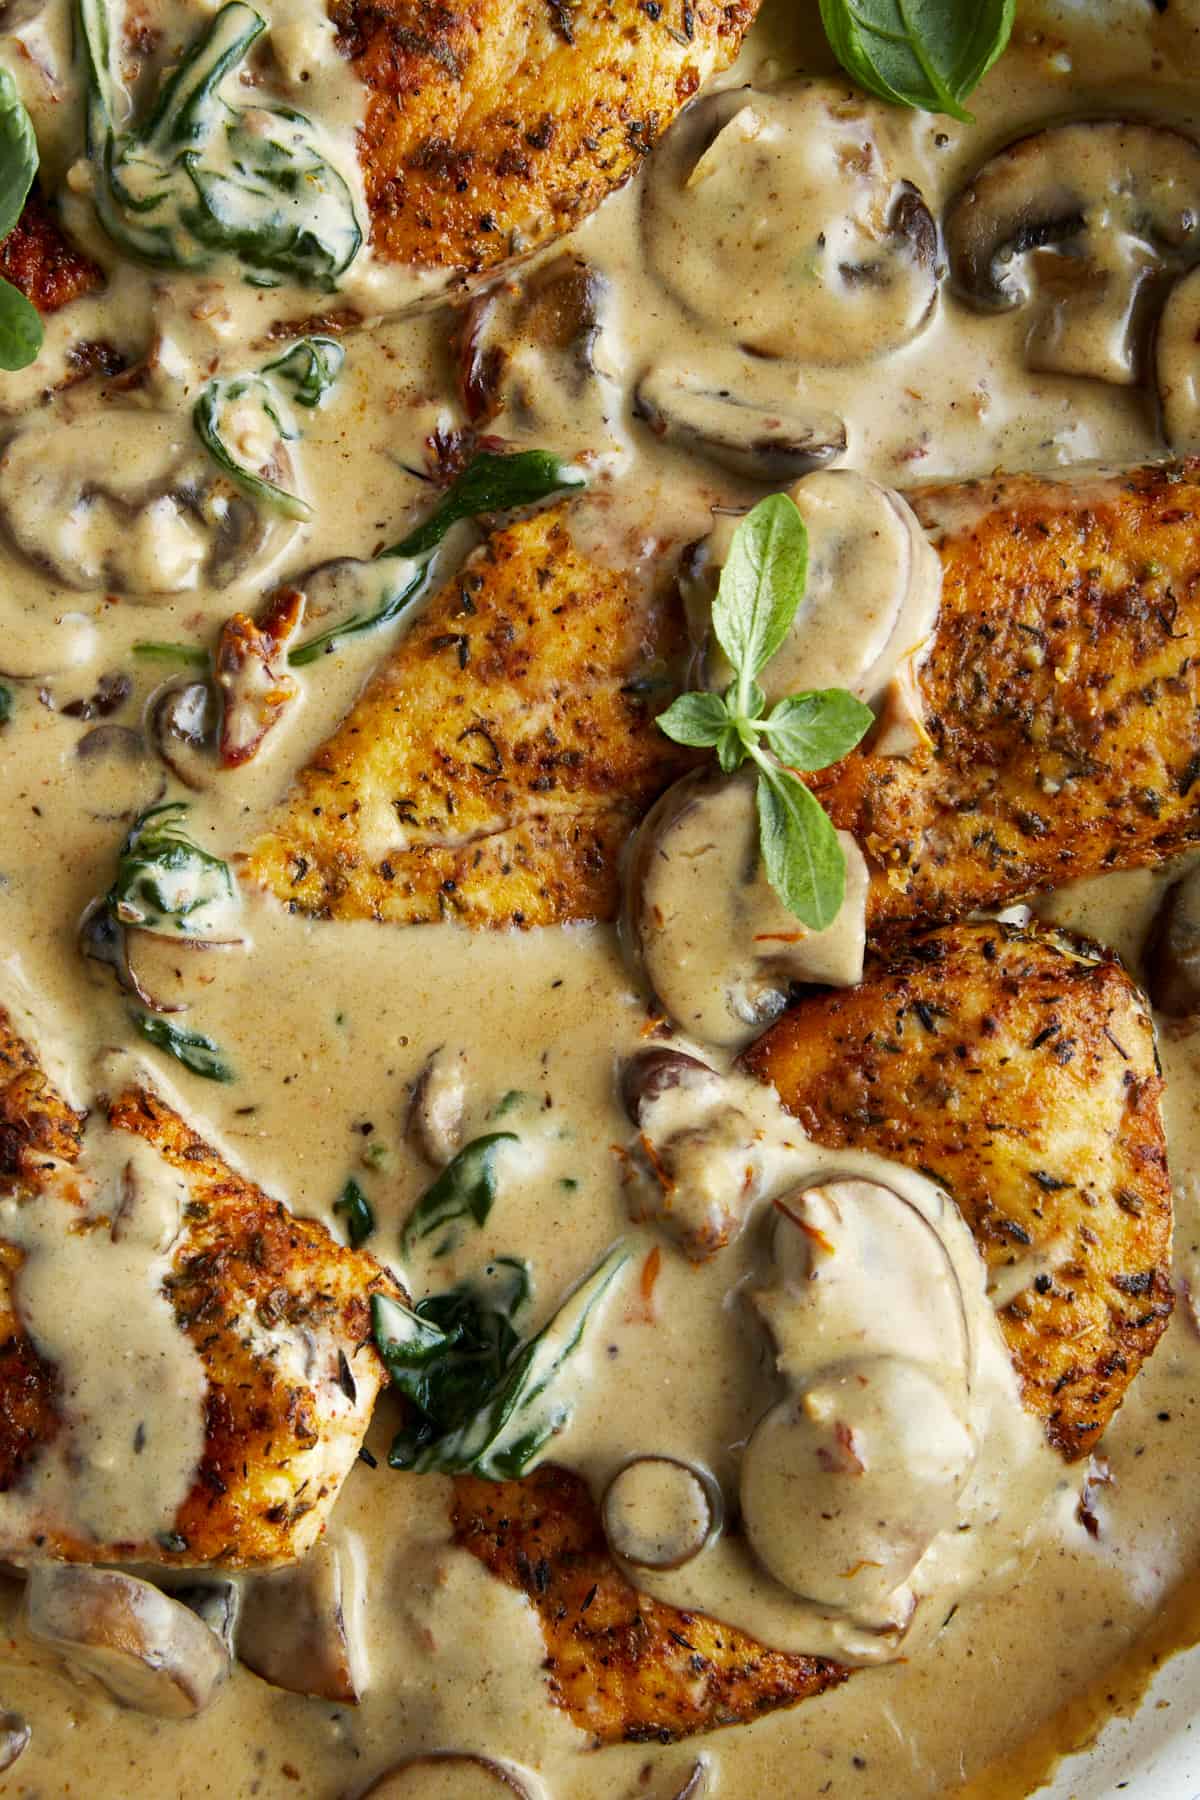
[[201, 178], [761, 586], [20, 325], [928, 54], [165, 882], [465, 1189], [489, 483], [357, 1211], [195, 1052], [310, 367], [485, 1401]]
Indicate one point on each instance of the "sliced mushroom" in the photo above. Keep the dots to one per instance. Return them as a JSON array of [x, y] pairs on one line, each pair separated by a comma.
[[1173, 950], [650, 1074], [779, 219], [658, 1513], [171, 974], [1177, 365], [299, 1627], [117, 776], [437, 1109], [152, 1653], [531, 349], [124, 498], [14, 1738], [870, 605], [181, 723], [1091, 217], [217, 1604], [448, 1775], [717, 946], [759, 442]]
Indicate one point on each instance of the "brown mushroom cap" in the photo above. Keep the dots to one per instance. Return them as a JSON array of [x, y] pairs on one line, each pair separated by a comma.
[[1177, 365], [1173, 950], [658, 1513], [448, 1775], [152, 1653], [1093, 214], [297, 1628], [761, 443]]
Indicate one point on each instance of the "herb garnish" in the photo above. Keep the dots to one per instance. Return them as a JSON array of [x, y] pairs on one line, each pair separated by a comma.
[[922, 53], [485, 1401], [465, 1189], [201, 178], [20, 325], [195, 1052], [489, 483], [162, 652], [6, 704], [358, 1213], [310, 367], [761, 586]]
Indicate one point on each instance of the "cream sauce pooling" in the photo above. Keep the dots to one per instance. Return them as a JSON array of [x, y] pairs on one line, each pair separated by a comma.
[[329, 1027]]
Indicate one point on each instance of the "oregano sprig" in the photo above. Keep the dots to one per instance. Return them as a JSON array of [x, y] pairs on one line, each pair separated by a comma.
[[761, 586]]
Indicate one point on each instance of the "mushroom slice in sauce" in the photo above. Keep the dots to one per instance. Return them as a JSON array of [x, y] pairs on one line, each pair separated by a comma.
[[759, 442], [1092, 215], [152, 1653], [650, 1074], [437, 1109], [181, 723], [252, 677], [14, 1738], [124, 498], [1177, 365], [870, 605], [1173, 950], [449, 1775], [717, 945], [658, 1513], [299, 1628], [843, 270], [117, 775], [217, 1604], [532, 349]]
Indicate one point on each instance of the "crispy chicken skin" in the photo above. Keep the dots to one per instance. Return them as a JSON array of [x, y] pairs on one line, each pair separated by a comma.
[[38, 258], [494, 125], [625, 1667], [496, 764], [1062, 698], [1018, 1069], [277, 1311]]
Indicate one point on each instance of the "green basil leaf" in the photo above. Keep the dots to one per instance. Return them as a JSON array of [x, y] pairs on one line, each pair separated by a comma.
[[810, 731], [696, 719], [312, 366], [490, 483], [353, 1204], [166, 883], [197, 1053], [761, 585], [923, 53], [465, 1189], [208, 417], [18, 154], [6, 704], [392, 605], [803, 859], [21, 332], [731, 750]]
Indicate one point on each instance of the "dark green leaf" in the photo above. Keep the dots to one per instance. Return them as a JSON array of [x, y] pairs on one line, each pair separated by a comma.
[[197, 1053], [465, 1189], [922, 53], [312, 366], [194, 654], [391, 607], [356, 1209], [167, 883], [761, 585], [18, 154], [6, 704], [21, 333], [810, 731], [490, 483], [803, 859], [731, 750], [208, 417], [696, 719]]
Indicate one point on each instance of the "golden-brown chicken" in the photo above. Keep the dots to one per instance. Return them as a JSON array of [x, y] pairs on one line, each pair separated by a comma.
[[1062, 698], [494, 767], [494, 125], [625, 1667], [1018, 1069], [278, 1313]]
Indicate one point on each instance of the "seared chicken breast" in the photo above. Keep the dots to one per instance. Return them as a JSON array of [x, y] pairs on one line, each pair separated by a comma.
[[278, 1313], [495, 125], [1061, 697], [494, 767], [1018, 1070]]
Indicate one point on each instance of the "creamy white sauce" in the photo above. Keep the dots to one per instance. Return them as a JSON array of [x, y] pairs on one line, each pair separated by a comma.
[[329, 1027]]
